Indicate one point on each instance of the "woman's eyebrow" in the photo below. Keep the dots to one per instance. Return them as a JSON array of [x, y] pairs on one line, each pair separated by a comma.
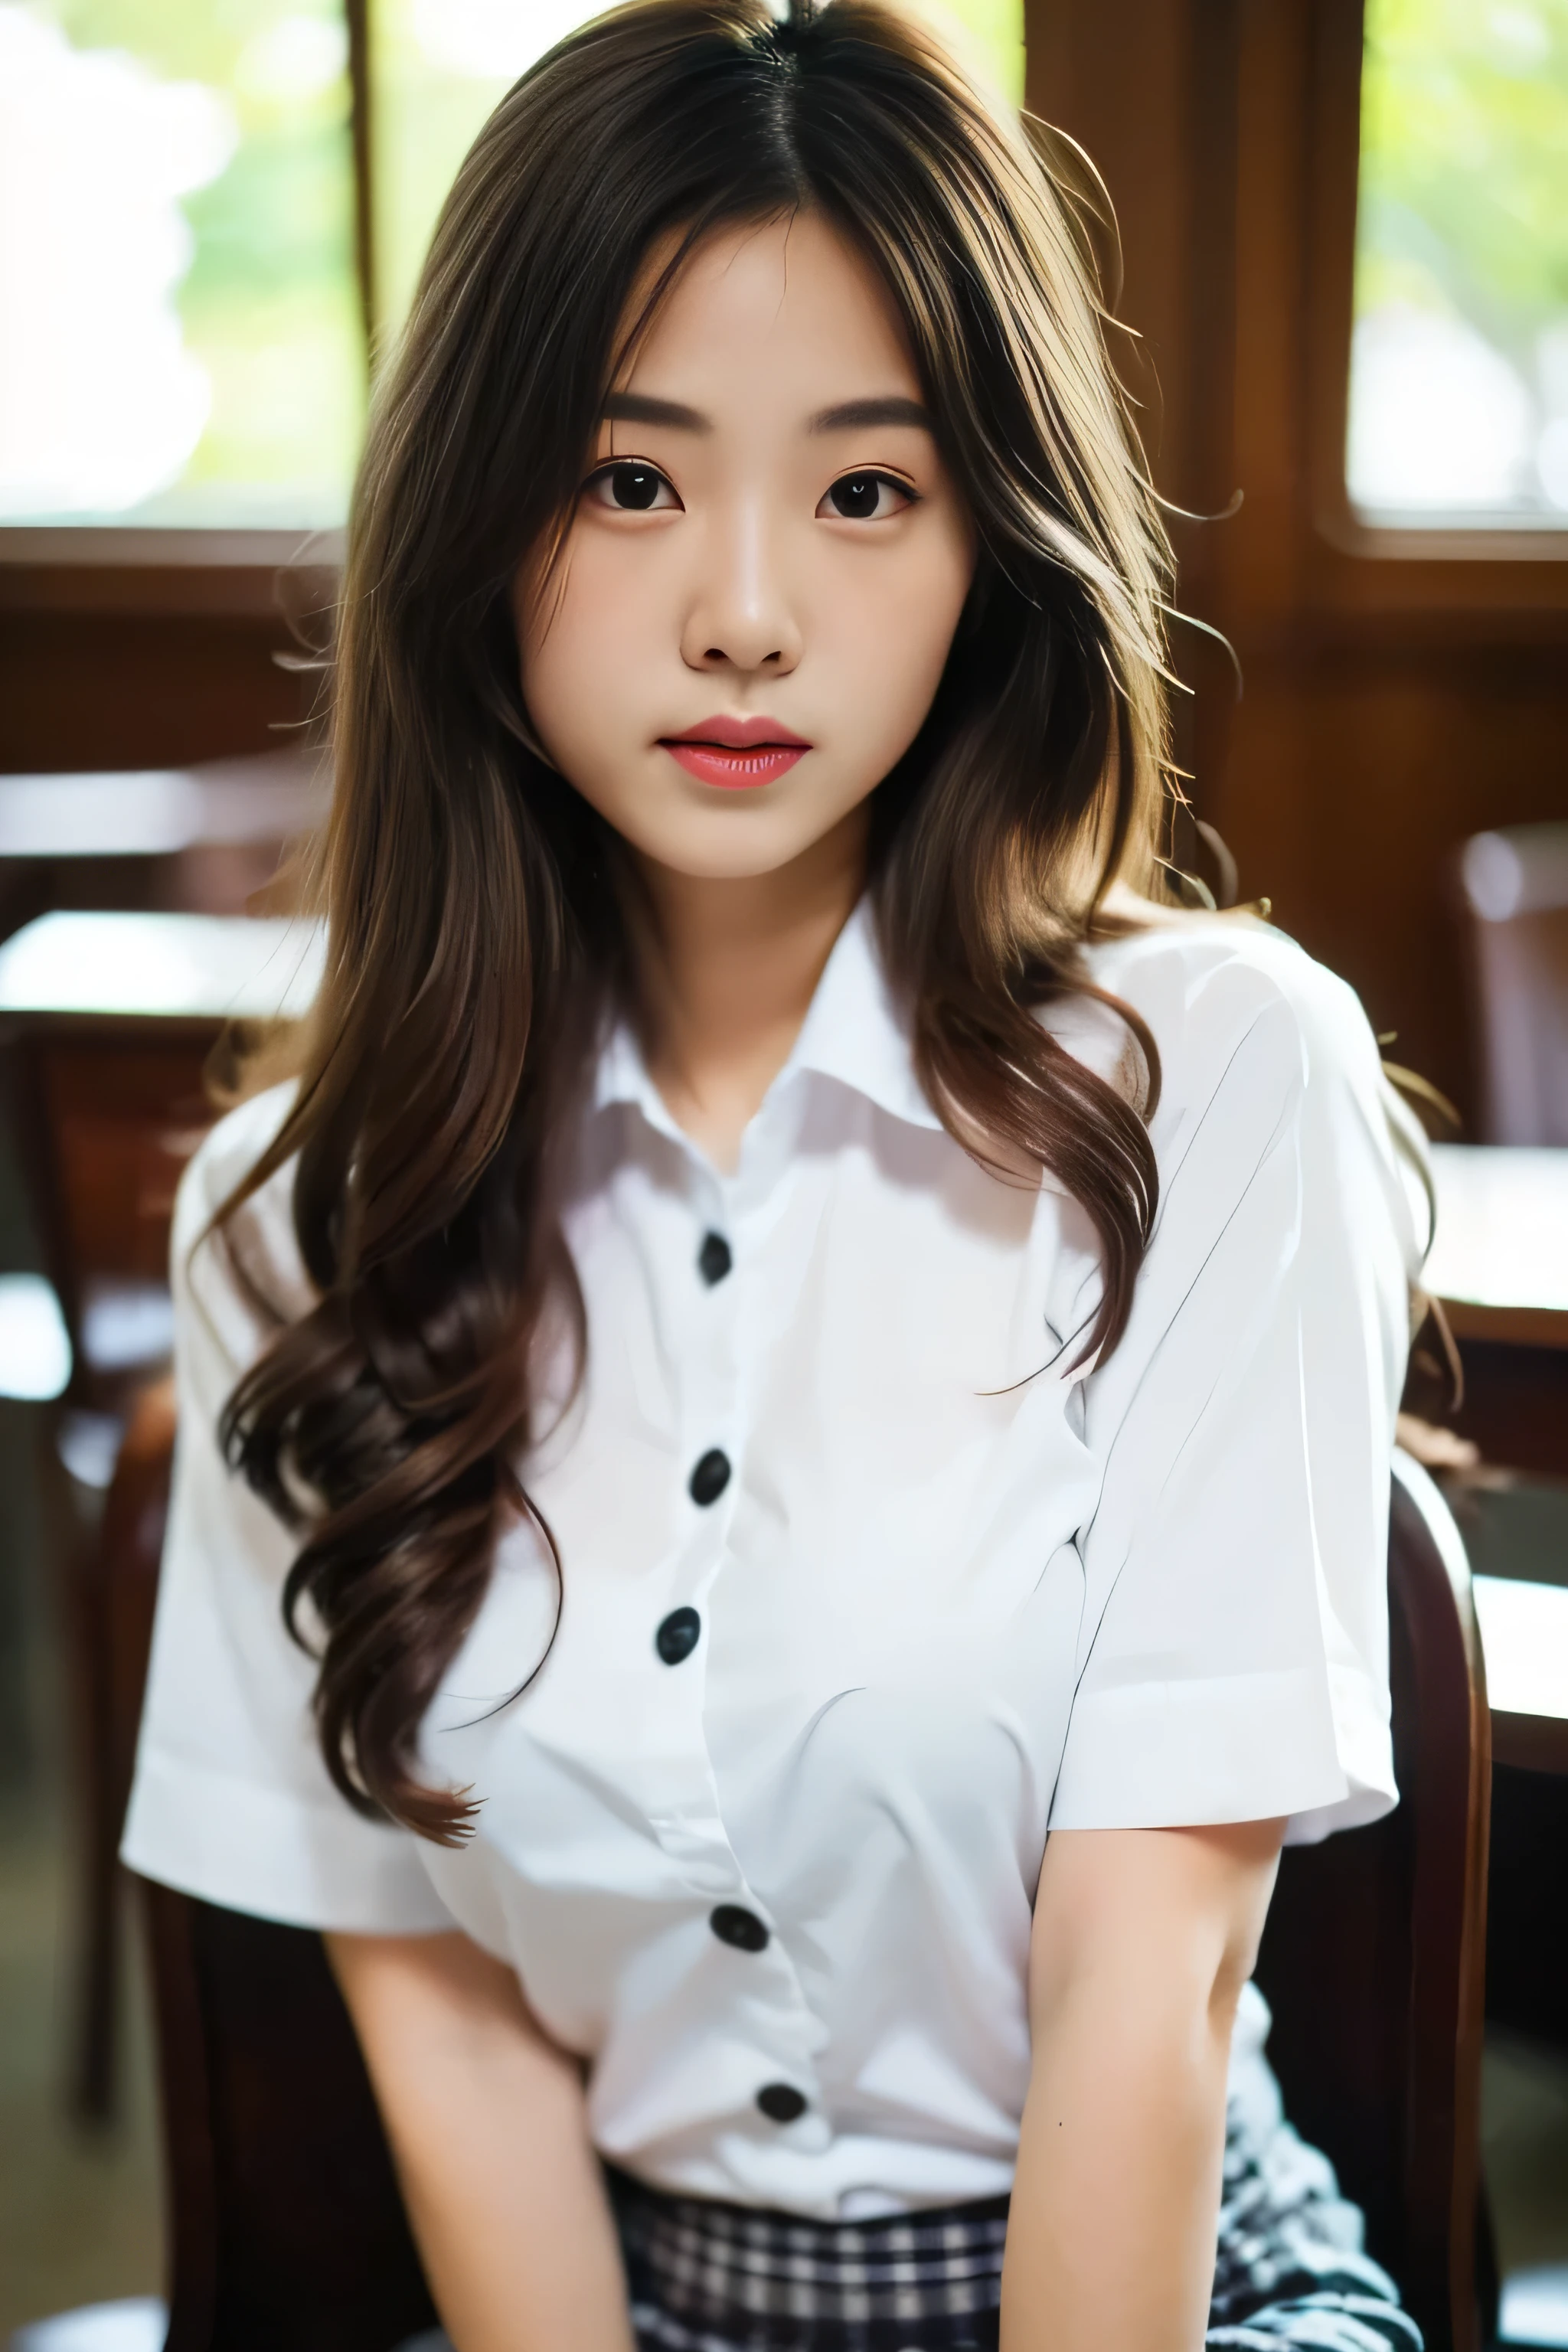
[[638, 408], [856, 416], [846, 417]]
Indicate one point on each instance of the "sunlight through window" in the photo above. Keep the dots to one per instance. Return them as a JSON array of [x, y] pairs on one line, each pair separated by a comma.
[[182, 341], [1458, 395]]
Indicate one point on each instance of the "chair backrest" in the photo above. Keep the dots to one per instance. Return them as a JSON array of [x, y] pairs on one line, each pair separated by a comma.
[[287, 2225], [107, 1118], [1374, 1954], [1513, 887], [286, 2222], [109, 1023]]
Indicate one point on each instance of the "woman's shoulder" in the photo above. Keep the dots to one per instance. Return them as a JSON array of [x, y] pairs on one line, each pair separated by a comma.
[[1205, 984], [1257, 1038], [229, 1150]]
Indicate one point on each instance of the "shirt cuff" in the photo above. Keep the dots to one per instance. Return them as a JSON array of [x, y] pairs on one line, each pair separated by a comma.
[[1233, 1748], [250, 1849]]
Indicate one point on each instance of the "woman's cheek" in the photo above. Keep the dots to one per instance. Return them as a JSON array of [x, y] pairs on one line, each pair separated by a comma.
[[576, 656]]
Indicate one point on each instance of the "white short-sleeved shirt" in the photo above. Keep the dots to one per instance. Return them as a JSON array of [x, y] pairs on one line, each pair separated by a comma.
[[865, 1589]]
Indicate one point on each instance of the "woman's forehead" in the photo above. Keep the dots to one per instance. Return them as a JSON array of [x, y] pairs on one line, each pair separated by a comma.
[[751, 300]]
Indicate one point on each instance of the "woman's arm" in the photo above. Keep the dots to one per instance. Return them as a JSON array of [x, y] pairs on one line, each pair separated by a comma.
[[1143, 1940], [488, 2129]]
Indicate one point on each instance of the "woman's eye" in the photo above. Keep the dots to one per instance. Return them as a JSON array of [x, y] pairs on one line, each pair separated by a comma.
[[631, 487], [865, 498]]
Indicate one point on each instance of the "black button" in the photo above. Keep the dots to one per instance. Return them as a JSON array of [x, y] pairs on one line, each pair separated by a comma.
[[713, 1259], [781, 2102], [709, 1478], [677, 1635], [733, 1924]]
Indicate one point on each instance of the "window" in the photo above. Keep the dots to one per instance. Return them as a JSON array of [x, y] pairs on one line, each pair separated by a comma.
[[439, 67], [1459, 388], [184, 342]]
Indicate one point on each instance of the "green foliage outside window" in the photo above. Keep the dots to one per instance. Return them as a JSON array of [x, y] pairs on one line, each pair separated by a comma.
[[184, 339], [269, 305], [1463, 229], [441, 66], [1465, 160]]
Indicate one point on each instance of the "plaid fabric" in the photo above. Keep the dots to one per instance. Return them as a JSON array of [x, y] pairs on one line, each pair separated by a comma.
[[1291, 2272], [708, 2277]]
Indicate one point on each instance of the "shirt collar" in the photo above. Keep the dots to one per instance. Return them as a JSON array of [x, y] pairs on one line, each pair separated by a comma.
[[855, 1032]]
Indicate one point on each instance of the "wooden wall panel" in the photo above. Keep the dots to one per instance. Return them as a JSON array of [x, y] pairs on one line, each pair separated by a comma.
[[126, 689], [1114, 79], [1393, 703], [1353, 775]]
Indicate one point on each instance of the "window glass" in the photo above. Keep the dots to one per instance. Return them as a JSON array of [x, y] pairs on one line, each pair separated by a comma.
[[182, 343], [1458, 391], [440, 66]]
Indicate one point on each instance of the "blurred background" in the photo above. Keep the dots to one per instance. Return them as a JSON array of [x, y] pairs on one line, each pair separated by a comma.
[[1343, 307]]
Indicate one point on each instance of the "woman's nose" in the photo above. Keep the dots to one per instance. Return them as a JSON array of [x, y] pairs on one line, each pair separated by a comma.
[[741, 614]]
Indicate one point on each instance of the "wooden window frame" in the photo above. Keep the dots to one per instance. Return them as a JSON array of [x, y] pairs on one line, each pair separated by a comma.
[[1359, 566]]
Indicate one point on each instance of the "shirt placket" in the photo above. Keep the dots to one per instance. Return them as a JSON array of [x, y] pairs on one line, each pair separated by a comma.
[[766, 2000]]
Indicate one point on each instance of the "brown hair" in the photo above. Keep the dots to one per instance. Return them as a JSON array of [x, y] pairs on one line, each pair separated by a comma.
[[473, 937]]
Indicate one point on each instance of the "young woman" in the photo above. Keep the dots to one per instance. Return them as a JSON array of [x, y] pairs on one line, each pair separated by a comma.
[[809, 1366]]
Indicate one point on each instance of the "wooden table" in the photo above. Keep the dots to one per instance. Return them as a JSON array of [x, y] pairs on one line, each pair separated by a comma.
[[1524, 1636], [158, 812], [1499, 1260], [202, 840], [108, 1020], [1500, 1265], [70, 970]]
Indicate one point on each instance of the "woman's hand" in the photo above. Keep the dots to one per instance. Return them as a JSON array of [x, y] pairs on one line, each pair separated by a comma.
[[486, 2121], [1143, 1940]]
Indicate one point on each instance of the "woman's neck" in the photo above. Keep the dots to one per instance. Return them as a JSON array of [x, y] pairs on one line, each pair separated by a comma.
[[727, 972]]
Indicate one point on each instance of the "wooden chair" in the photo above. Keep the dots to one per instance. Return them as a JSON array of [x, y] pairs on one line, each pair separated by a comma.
[[1513, 893], [106, 1114], [287, 2226], [1513, 897], [1373, 1956], [108, 1024]]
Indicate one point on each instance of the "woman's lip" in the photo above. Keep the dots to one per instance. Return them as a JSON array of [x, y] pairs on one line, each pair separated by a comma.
[[735, 768], [738, 734]]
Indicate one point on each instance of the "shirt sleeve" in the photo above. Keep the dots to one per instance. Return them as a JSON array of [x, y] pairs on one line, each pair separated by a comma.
[[231, 1800], [1233, 1656]]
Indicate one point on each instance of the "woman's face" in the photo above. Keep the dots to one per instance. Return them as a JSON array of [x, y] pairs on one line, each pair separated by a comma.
[[765, 569]]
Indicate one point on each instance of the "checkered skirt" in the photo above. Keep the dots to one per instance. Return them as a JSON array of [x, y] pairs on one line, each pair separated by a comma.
[[1290, 2274], [710, 2277]]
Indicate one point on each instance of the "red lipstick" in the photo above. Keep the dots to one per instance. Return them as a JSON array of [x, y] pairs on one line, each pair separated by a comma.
[[737, 754]]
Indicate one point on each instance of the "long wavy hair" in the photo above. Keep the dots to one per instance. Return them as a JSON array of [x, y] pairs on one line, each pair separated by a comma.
[[475, 936]]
